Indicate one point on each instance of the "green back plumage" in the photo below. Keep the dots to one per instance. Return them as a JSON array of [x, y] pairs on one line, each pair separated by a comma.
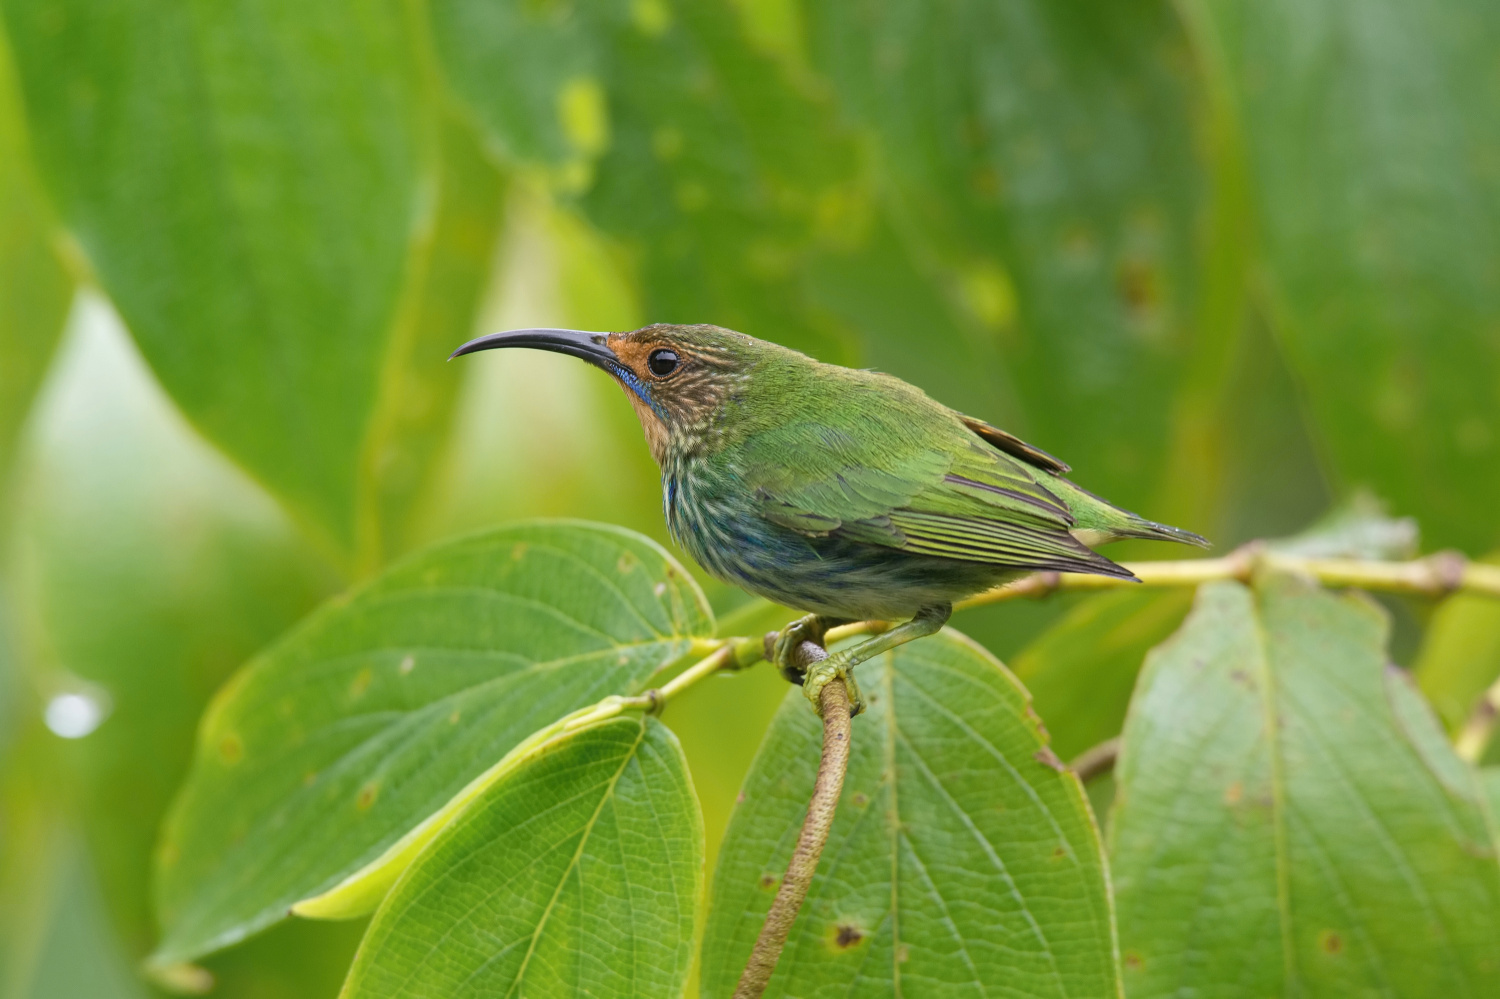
[[826, 450]]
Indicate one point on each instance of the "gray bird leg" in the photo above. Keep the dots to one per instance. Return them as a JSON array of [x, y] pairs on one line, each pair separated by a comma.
[[928, 621]]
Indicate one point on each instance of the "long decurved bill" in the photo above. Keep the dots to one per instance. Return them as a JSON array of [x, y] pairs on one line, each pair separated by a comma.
[[586, 346]]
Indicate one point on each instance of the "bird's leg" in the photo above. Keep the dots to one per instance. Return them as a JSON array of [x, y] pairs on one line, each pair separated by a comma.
[[811, 628], [928, 621]]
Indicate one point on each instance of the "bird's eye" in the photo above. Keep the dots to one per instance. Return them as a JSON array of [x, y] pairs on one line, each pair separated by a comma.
[[662, 362]]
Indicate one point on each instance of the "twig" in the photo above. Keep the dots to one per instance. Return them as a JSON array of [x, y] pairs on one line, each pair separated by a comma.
[[1436, 575], [820, 810], [1479, 728], [1096, 761]]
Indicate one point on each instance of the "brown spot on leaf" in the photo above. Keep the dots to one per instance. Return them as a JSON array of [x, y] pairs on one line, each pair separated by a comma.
[[1242, 678], [1046, 756], [768, 880], [903, 954], [1330, 942], [739, 799], [1059, 852], [1233, 793], [1139, 287], [231, 748], [367, 796], [861, 799], [626, 563], [1133, 961], [846, 935]]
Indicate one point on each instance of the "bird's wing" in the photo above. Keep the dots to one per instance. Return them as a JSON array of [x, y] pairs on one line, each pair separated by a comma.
[[1014, 446], [960, 499]]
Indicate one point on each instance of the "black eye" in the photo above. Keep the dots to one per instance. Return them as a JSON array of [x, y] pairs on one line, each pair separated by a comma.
[[662, 362]]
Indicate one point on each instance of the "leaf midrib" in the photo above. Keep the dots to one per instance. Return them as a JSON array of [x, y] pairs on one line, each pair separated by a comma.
[[583, 840]]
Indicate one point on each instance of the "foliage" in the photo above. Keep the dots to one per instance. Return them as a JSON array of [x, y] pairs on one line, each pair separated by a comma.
[[1231, 260]]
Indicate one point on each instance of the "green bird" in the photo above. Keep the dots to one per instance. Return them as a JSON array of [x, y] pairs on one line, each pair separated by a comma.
[[848, 494]]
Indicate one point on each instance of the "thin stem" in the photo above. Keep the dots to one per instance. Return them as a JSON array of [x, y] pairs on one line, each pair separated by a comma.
[[1435, 576], [834, 700], [1096, 761], [1474, 738]]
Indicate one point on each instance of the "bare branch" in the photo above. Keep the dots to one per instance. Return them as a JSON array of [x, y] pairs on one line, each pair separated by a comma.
[[820, 810], [1096, 761]]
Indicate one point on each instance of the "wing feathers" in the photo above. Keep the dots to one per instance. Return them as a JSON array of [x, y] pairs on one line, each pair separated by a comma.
[[976, 499], [1015, 447]]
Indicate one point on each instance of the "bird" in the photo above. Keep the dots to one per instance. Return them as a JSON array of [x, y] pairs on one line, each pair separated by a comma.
[[845, 493]]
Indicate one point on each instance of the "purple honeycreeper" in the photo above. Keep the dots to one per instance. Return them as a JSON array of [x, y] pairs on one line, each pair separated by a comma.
[[846, 493]]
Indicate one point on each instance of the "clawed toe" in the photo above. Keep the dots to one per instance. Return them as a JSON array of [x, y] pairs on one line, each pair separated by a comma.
[[820, 674]]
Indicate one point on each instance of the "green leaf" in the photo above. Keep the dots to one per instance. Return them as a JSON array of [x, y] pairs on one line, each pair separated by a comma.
[[146, 569], [1460, 655], [245, 179], [1290, 818], [961, 856], [1358, 528], [1377, 197], [1082, 670], [34, 290], [419, 388], [1042, 154], [578, 872], [332, 756], [698, 154]]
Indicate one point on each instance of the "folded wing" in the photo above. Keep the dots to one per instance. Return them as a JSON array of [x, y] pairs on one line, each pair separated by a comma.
[[972, 501]]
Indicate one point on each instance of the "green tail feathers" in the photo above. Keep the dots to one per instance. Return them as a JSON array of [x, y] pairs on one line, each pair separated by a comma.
[[1140, 527], [1098, 521]]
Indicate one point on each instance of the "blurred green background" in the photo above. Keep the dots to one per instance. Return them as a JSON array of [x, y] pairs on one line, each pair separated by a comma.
[[1232, 260]]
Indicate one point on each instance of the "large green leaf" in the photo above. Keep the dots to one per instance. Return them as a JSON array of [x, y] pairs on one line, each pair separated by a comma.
[[146, 569], [1290, 819], [419, 388], [962, 856], [578, 872], [34, 291], [329, 760], [1368, 137], [1082, 670], [1043, 154], [245, 178], [680, 141]]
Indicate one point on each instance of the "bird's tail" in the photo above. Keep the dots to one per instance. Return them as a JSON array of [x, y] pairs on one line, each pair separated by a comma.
[[1140, 527]]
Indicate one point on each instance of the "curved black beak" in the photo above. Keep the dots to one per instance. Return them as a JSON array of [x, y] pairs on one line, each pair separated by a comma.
[[587, 346]]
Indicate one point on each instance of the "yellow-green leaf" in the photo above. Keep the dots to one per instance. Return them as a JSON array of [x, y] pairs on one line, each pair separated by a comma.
[[962, 855], [321, 763], [1290, 819], [579, 872]]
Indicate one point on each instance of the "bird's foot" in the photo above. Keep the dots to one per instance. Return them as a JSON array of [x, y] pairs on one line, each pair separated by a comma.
[[811, 628], [823, 672]]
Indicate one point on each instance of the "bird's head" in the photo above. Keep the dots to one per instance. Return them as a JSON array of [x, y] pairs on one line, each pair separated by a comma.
[[677, 377]]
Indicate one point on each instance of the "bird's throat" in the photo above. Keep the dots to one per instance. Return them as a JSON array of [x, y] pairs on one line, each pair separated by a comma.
[[655, 429]]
